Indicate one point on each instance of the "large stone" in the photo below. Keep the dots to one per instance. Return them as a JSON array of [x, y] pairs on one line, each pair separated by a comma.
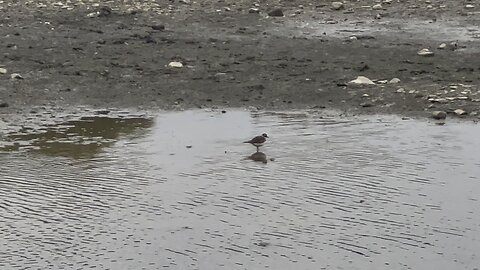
[[362, 80], [3, 70], [337, 5], [439, 115]]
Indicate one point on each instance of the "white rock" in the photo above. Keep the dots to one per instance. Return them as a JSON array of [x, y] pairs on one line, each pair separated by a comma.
[[16, 76], [400, 90], [394, 80], [460, 112], [382, 81], [377, 7], [337, 5], [3, 70], [175, 65], [362, 80], [425, 52], [469, 6], [442, 46]]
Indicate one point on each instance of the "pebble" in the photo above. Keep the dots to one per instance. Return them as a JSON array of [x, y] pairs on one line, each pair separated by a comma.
[[377, 7], [442, 46], [366, 104], [362, 80], [469, 6], [439, 115], [276, 13], [159, 27], [17, 76], [3, 70], [400, 90], [254, 10], [175, 65], [4, 104], [460, 112], [337, 5], [425, 52], [394, 80]]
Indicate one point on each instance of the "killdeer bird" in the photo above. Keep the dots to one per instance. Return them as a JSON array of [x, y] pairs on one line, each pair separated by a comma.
[[258, 141]]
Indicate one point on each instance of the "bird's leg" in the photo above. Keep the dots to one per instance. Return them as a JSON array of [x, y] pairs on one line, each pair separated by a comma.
[[257, 149]]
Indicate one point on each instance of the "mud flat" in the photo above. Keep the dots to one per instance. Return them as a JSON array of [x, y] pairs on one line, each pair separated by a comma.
[[84, 53]]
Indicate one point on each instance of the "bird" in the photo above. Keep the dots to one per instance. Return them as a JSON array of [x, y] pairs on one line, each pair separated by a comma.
[[258, 140]]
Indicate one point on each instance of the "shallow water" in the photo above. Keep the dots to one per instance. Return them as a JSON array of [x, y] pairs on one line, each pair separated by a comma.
[[177, 191]]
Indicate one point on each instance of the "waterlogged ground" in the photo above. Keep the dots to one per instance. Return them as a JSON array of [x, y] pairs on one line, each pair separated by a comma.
[[176, 191]]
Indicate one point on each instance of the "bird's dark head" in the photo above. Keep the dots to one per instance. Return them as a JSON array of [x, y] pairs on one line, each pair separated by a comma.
[[265, 135]]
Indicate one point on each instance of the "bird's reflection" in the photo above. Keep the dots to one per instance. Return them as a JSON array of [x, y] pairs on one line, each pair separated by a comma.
[[258, 157]]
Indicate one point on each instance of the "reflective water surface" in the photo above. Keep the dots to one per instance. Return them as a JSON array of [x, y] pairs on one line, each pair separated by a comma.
[[181, 191]]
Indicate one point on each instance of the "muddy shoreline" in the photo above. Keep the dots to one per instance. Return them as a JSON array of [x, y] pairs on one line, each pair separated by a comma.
[[118, 57]]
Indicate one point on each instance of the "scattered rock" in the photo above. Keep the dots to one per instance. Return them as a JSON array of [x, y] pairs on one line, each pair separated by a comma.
[[394, 80], [469, 6], [460, 112], [254, 10], [175, 65], [276, 13], [3, 70], [400, 90], [337, 5], [439, 115], [377, 7], [362, 80], [4, 104], [425, 52], [442, 46], [16, 76]]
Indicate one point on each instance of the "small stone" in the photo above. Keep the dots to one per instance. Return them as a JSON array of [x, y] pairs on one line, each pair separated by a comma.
[[189, 146], [16, 76], [365, 95], [159, 27], [377, 7], [469, 6], [400, 90], [394, 80], [337, 5], [366, 104], [362, 80], [382, 81], [3, 70], [460, 112], [439, 115], [276, 13], [453, 46], [425, 52], [175, 65], [254, 10], [104, 11], [442, 46], [4, 105]]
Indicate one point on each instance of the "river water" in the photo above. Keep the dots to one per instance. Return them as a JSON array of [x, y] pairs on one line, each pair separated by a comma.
[[176, 190]]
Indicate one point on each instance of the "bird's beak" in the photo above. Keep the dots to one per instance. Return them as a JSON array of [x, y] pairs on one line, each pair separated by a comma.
[[267, 136]]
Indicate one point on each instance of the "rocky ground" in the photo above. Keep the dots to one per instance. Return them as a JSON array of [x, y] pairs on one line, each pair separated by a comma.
[[417, 57]]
